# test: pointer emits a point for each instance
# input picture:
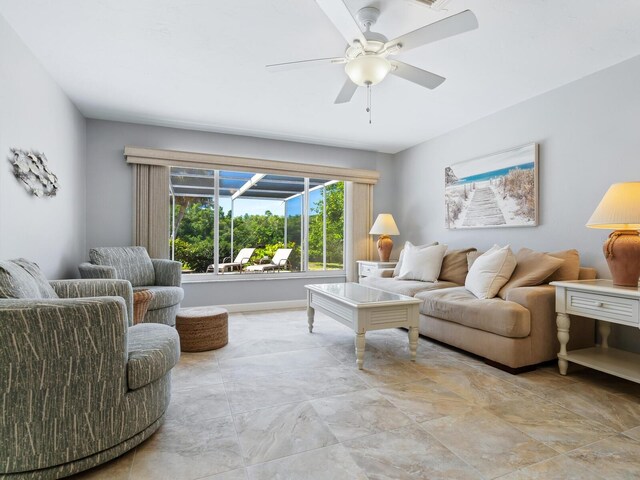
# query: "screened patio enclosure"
(220, 212)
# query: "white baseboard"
(262, 306)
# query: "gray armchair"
(162, 277)
(79, 385)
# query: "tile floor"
(280, 403)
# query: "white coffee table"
(362, 309)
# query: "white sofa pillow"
(490, 272)
(396, 270)
(422, 263)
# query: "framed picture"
(498, 190)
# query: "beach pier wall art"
(498, 190)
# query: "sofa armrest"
(89, 270)
(587, 273)
(541, 303)
(382, 273)
(168, 272)
(97, 288)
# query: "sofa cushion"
(569, 270)
(396, 270)
(154, 349)
(532, 269)
(494, 315)
(131, 263)
(490, 272)
(15, 282)
(422, 264)
(455, 266)
(163, 296)
(403, 287)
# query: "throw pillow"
(131, 263)
(15, 282)
(396, 270)
(454, 266)
(422, 263)
(532, 268)
(569, 270)
(45, 290)
(490, 272)
(471, 257)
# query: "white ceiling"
(200, 63)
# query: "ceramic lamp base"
(385, 245)
(622, 251)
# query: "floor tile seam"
(235, 429)
(592, 443)
(308, 399)
(277, 373)
(407, 413)
(297, 349)
(411, 420)
(499, 404)
(586, 467)
(421, 426)
(546, 443)
(593, 406)
(337, 442)
(307, 451)
(274, 353)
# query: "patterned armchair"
(79, 384)
(162, 277)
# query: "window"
(216, 214)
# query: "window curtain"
(152, 209)
(358, 218)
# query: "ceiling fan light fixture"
(367, 69)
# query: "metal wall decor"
(31, 168)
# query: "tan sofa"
(513, 334)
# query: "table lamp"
(384, 226)
(619, 210)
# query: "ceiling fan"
(367, 58)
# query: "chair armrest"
(64, 366)
(168, 272)
(226, 260)
(59, 345)
(97, 288)
(382, 273)
(89, 270)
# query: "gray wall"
(36, 114)
(109, 183)
(588, 136)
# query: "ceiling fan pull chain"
(369, 101)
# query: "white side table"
(368, 267)
(607, 303)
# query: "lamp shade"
(367, 69)
(384, 225)
(619, 209)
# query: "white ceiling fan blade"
(416, 75)
(347, 91)
(342, 19)
(280, 67)
(447, 27)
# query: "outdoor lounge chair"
(279, 262)
(241, 260)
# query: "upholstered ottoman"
(202, 328)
